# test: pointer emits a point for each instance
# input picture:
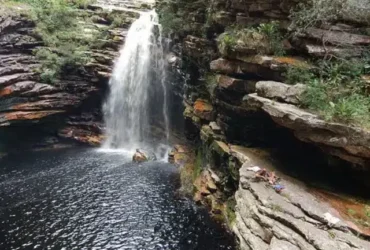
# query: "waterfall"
(138, 93)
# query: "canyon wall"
(37, 114)
(244, 108)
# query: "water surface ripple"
(83, 199)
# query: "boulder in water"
(141, 156)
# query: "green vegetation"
(175, 18)
(227, 42)
(275, 37)
(57, 24)
(198, 165)
(230, 210)
(360, 217)
(67, 32)
(367, 211)
(116, 19)
(351, 211)
(332, 234)
(263, 39)
(191, 171)
(296, 75)
(317, 12)
(336, 89)
(211, 82)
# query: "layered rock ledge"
(292, 219)
(345, 141)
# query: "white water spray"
(138, 93)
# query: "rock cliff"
(40, 114)
(240, 96)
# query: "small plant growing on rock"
(230, 210)
(275, 37)
(296, 75)
(211, 82)
(226, 42)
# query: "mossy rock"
(221, 148)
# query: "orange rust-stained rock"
(82, 135)
(5, 91)
(292, 61)
(203, 109)
(354, 213)
(25, 115)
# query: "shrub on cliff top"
(317, 12)
(177, 16)
(263, 39)
(337, 90)
(66, 44)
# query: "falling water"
(138, 93)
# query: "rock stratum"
(237, 103)
(69, 110)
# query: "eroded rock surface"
(292, 219)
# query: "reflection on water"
(84, 199)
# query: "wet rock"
(207, 134)
(203, 109)
(24, 117)
(234, 84)
(180, 155)
(221, 148)
(82, 134)
(140, 157)
(280, 91)
(215, 128)
(214, 176)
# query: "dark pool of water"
(84, 199)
